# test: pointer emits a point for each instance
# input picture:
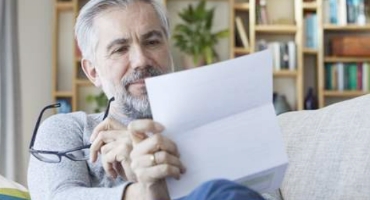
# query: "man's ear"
(90, 71)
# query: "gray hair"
(84, 30)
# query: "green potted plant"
(194, 36)
(100, 101)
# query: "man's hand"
(153, 158)
(113, 141)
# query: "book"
(326, 11)
(292, 51)
(263, 11)
(333, 4)
(359, 76)
(365, 76)
(242, 32)
(342, 12)
(340, 67)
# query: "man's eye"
(120, 50)
(153, 42)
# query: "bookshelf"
(334, 84)
(281, 27)
(312, 34)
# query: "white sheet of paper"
(223, 121)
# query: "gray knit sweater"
(69, 179)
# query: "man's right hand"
(154, 157)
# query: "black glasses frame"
(59, 154)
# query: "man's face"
(132, 45)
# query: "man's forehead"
(124, 20)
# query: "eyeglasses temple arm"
(39, 120)
(107, 110)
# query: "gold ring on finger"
(152, 158)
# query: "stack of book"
(284, 54)
(343, 12)
(347, 76)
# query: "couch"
(328, 151)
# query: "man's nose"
(138, 57)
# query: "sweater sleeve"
(67, 179)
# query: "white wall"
(35, 47)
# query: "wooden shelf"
(346, 59)
(285, 73)
(350, 27)
(241, 6)
(274, 29)
(309, 6)
(64, 6)
(83, 82)
(344, 94)
(63, 94)
(240, 50)
(310, 51)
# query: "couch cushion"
(329, 152)
(10, 190)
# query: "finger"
(157, 172)
(109, 159)
(140, 127)
(158, 158)
(153, 144)
(107, 124)
(103, 138)
(108, 168)
(121, 148)
(130, 175)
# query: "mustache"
(143, 73)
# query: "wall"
(35, 31)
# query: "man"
(122, 42)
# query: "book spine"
(340, 67)
(328, 76)
(333, 12)
(315, 32)
(352, 76)
(342, 12)
(359, 76)
(292, 55)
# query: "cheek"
(163, 60)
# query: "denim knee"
(221, 189)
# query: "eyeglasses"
(75, 154)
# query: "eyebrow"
(120, 41)
(116, 42)
(153, 33)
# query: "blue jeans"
(222, 190)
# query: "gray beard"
(137, 107)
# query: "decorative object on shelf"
(310, 101)
(280, 103)
(65, 106)
(194, 37)
(100, 100)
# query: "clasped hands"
(138, 152)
